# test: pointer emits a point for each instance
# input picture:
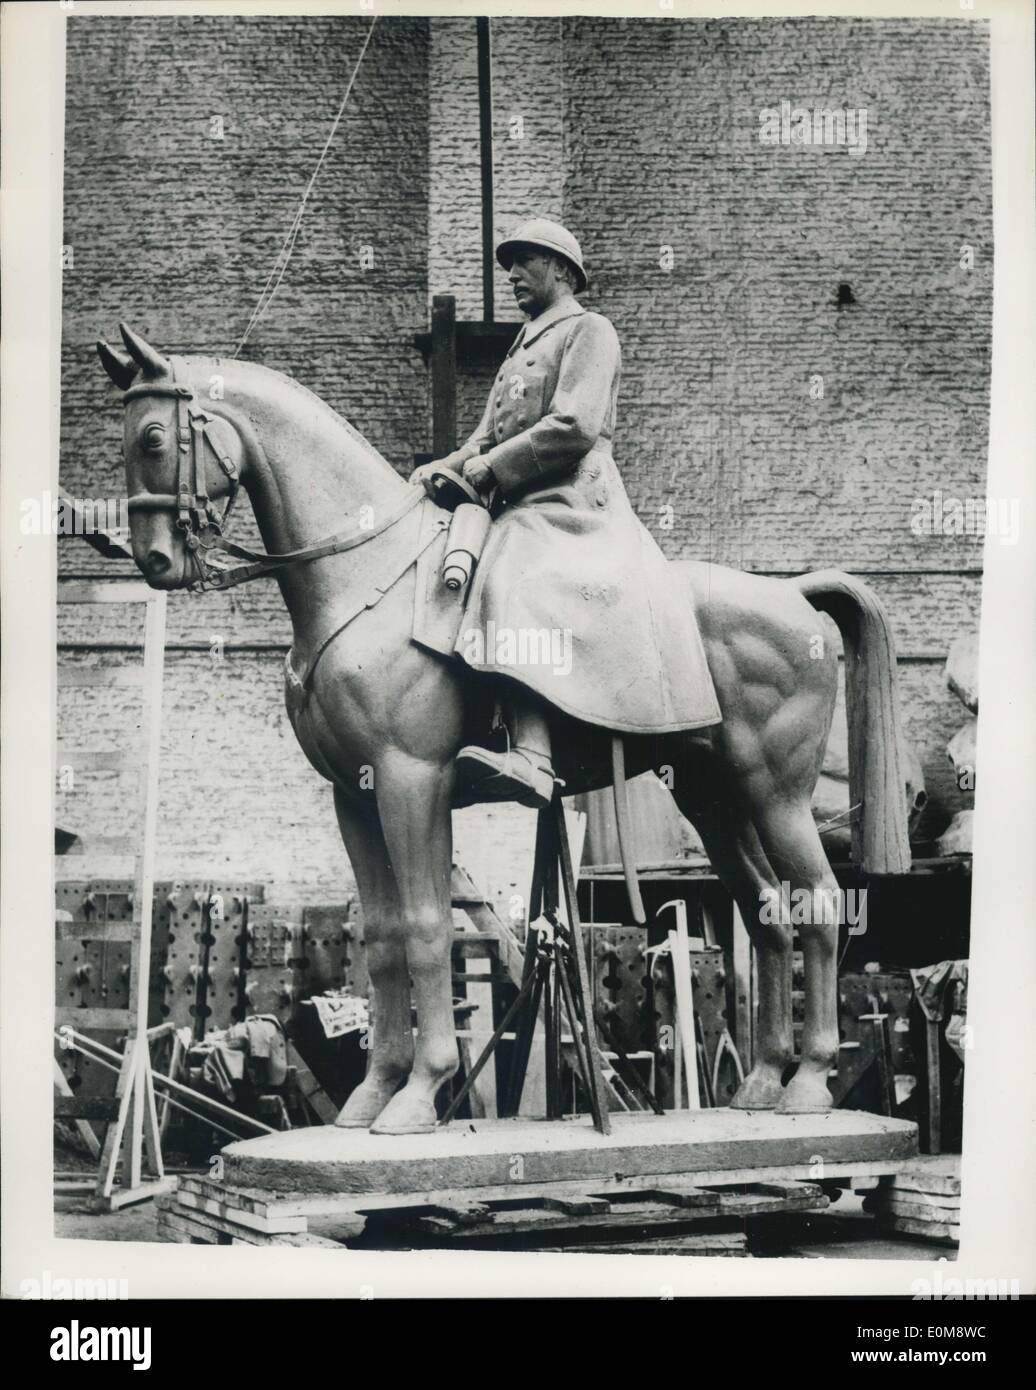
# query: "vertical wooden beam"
(143, 1113)
(137, 1123)
(485, 140)
(86, 1133)
(744, 1013)
(444, 375)
(934, 1086)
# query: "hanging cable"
(284, 255)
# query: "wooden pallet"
(673, 1215)
(923, 1200)
(198, 1228)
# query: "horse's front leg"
(391, 1037)
(414, 806)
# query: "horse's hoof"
(363, 1107)
(810, 1098)
(802, 1108)
(758, 1091)
(406, 1114)
(753, 1103)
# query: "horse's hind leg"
(739, 859)
(792, 844)
(392, 1043)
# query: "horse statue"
(382, 718)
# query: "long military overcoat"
(567, 555)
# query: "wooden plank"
(175, 1229)
(136, 1129)
(316, 1204)
(509, 1223)
(485, 146)
(476, 1104)
(120, 591)
(144, 1192)
(64, 1090)
(641, 1214)
(123, 1091)
(142, 1129)
(782, 1189)
(462, 1213)
(933, 1068)
(687, 1196)
(741, 1204)
(93, 1020)
(728, 1244)
(487, 923)
(444, 374)
(226, 1211)
(895, 1193)
(578, 1205)
(310, 1088)
(85, 1108)
(94, 931)
(209, 1228)
(475, 945)
(930, 1184)
(927, 1230)
(743, 1010)
(920, 1210)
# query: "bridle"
(196, 514)
(201, 522)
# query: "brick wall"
(176, 232)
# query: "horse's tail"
(877, 772)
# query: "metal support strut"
(555, 974)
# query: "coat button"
(499, 400)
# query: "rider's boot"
(524, 773)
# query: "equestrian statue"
(561, 648)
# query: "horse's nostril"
(157, 562)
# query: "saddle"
(444, 572)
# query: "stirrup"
(510, 776)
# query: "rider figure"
(566, 551)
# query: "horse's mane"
(310, 397)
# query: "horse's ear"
(120, 366)
(152, 362)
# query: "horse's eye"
(154, 437)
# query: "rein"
(197, 515)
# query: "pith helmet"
(551, 236)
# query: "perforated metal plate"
(273, 946)
(333, 955)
